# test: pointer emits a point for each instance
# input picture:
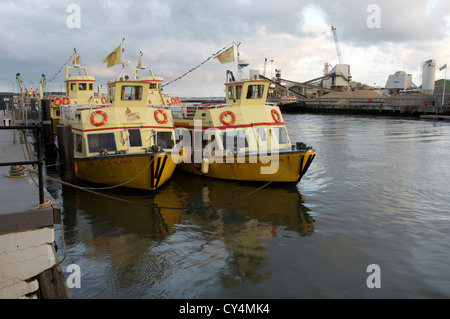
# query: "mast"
(238, 71)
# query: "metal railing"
(39, 161)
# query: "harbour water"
(377, 193)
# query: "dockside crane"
(338, 49)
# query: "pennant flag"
(138, 66)
(113, 58)
(443, 67)
(226, 56)
(76, 60)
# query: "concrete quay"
(29, 267)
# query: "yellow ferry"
(243, 139)
(129, 143)
(79, 90)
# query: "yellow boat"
(129, 143)
(243, 139)
(79, 90)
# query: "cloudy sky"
(377, 38)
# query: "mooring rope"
(92, 190)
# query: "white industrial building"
(338, 78)
(399, 81)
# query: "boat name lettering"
(111, 162)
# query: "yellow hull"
(286, 167)
(143, 171)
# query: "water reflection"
(188, 226)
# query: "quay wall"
(396, 106)
(29, 267)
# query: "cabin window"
(234, 138)
(152, 86)
(164, 139)
(82, 86)
(73, 86)
(230, 93)
(111, 92)
(135, 138)
(98, 142)
(91, 87)
(238, 92)
(131, 93)
(255, 91)
(78, 143)
(281, 134)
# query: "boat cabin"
(129, 125)
(247, 92)
(244, 123)
(79, 85)
(143, 90)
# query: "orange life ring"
(276, 116)
(233, 118)
(57, 101)
(163, 121)
(102, 113)
(104, 100)
(65, 100)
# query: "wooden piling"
(47, 125)
(52, 284)
(65, 150)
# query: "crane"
(338, 49)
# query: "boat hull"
(287, 167)
(142, 171)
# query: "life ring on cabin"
(233, 118)
(99, 112)
(104, 100)
(163, 121)
(173, 100)
(57, 101)
(276, 116)
(65, 100)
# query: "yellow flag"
(226, 56)
(113, 58)
(138, 66)
(76, 60)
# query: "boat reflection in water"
(191, 228)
